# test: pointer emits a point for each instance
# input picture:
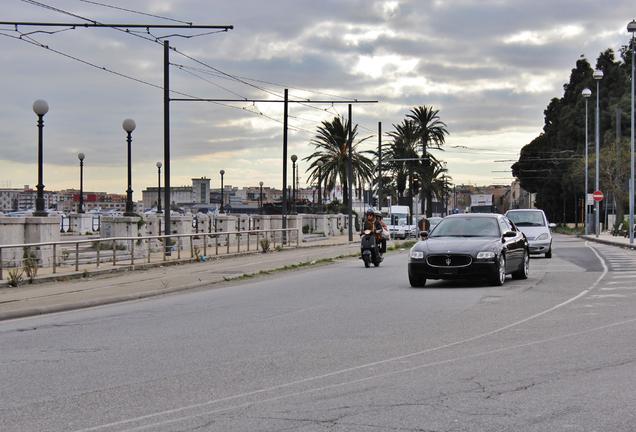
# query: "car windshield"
(467, 227)
(527, 218)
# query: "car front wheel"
(524, 269)
(416, 282)
(499, 277)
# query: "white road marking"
(354, 368)
(381, 375)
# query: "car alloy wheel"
(500, 276)
(524, 270)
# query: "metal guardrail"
(165, 245)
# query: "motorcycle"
(370, 249)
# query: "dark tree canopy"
(548, 164)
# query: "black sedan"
(470, 246)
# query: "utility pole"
(166, 80)
(350, 176)
(284, 203)
(379, 165)
(286, 101)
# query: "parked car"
(534, 224)
(470, 246)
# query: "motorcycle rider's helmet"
(370, 211)
(377, 213)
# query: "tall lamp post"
(129, 126)
(40, 107)
(598, 76)
(260, 196)
(80, 209)
(631, 27)
(319, 164)
(158, 165)
(222, 172)
(294, 158)
(586, 95)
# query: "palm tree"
(403, 146)
(431, 133)
(331, 143)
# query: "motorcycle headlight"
(417, 254)
(543, 236)
(486, 255)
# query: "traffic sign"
(598, 196)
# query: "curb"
(145, 266)
(607, 242)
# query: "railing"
(143, 249)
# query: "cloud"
(490, 66)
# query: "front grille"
(449, 260)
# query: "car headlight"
(417, 254)
(486, 255)
(543, 236)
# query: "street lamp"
(586, 95)
(631, 28)
(40, 107)
(158, 165)
(222, 172)
(294, 158)
(260, 196)
(129, 126)
(319, 164)
(80, 156)
(598, 76)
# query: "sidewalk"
(609, 239)
(100, 289)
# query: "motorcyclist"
(385, 229)
(373, 224)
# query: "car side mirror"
(423, 235)
(552, 225)
(510, 234)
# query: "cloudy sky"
(489, 66)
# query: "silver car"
(534, 224)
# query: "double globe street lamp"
(40, 107)
(129, 126)
(598, 76)
(586, 95)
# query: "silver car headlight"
(417, 254)
(485, 255)
(543, 236)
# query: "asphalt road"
(341, 348)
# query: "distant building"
(97, 201)
(181, 196)
(9, 199)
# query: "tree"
(551, 164)
(431, 132)
(331, 143)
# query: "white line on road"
(382, 375)
(359, 367)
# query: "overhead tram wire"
(34, 42)
(135, 11)
(157, 39)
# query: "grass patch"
(569, 231)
